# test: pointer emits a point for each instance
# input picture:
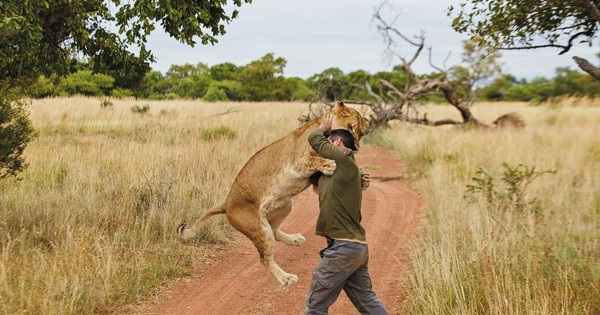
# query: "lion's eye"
(350, 128)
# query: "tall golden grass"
(90, 226)
(525, 238)
(92, 222)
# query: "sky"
(314, 35)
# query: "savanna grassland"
(511, 223)
(92, 222)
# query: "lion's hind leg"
(275, 217)
(258, 230)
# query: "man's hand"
(365, 179)
(326, 122)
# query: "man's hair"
(345, 136)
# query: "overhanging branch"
(587, 67)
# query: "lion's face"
(351, 120)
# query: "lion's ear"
(339, 106)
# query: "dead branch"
(229, 111)
(391, 102)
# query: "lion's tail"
(187, 233)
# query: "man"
(344, 261)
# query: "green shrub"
(122, 93)
(15, 132)
(217, 133)
(43, 87)
(106, 103)
(215, 94)
(86, 82)
(511, 193)
(137, 109)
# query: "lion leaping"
(261, 195)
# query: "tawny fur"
(509, 120)
(261, 195)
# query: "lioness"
(261, 195)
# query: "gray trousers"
(343, 266)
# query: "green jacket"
(340, 195)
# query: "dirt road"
(234, 282)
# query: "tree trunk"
(587, 67)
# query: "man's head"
(342, 136)
(350, 119)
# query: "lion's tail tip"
(180, 229)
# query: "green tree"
(189, 81)
(477, 69)
(263, 78)
(50, 36)
(572, 82)
(43, 87)
(154, 86)
(299, 90)
(355, 80)
(86, 83)
(214, 94)
(497, 89)
(233, 89)
(225, 71)
(330, 84)
(44, 37)
(544, 89)
(517, 24)
(520, 92)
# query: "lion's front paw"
(328, 167)
(288, 279)
(297, 239)
(289, 239)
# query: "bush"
(215, 94)
(218, 133)
(15, 132)
(86, 83)
(511, 193)
(122, 93)
(230, 88)
(43, 87)
(137, 109)
(106, 103)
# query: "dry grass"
(91, 224)
(530, 247)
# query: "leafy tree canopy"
(517, 24)
(45, 36)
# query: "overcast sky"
(314, 35)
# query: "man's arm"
(319, 142)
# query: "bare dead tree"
(389, 102)
(399, 103)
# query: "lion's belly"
(283, 190)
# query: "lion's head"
(350, 119)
